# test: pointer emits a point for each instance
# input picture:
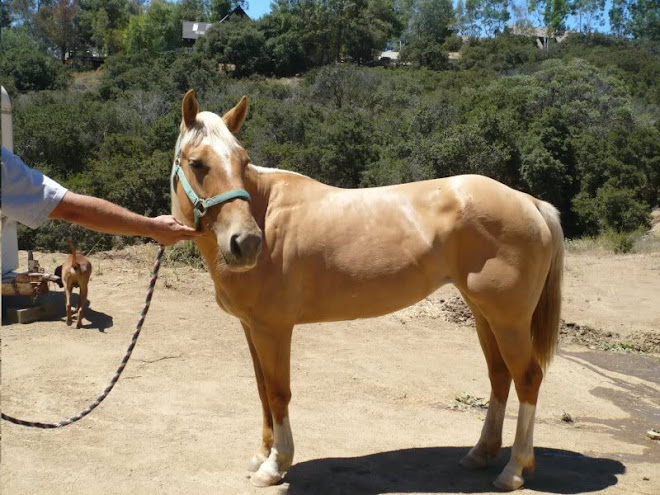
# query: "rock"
(653, 434)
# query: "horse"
(284, 249)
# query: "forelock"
(209, 125)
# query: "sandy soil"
(374, 407)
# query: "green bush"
(622, 242)
(25, 66)
(236, 42)
(424, 52)
(502, 53)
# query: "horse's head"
(208, 188)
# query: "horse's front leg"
(267, 429)
(273, 350)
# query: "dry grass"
(86, 81)
(613, 242)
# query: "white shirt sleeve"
(28, 196)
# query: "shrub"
(25, 66)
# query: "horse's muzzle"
(245, 248)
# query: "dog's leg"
(81, 304)
(67, 293)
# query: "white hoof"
(268, 475)
(256, 462)
(508, 482)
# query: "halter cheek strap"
(200, 206)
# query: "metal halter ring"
(201, 209)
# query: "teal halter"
(200, 206)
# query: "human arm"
(103, 216)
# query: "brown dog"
(74, 272)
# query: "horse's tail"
(72, 249)
(545, 320)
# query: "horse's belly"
(343, 296)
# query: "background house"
(193, 30)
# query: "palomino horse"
(284, 249)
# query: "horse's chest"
(226, 303)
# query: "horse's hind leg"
(267, 429)
(273, 348)
(490, 441)
(515, 344)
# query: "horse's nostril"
(255, 244)
(245, 246)
(234, 246)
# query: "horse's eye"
(196, 164)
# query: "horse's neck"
(260, 188)
(263, 185)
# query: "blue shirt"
(28, 196)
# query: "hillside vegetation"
(576, 124)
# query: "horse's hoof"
(473, 461)
(508, 483)
(256, 462)
(266, 476)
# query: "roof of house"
(391, 54)
(193, 30)
(237, 11)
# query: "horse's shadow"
(91, 319)
(436, 470)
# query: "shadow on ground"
(91, 319)
(436, 470)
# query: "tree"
(5, 16)
(220, 8)
(588, 12)
(21, 12)
(102, 24)
(619, 16)
(430, 25)
(237, 42)
(471, 18)
(193, 10)
(369, 24)
(555, 15)
(494, 15)
(24, 66)
(644, 20)
(403, 10)
(536, 10)
(157, 30)
(285, 37)
(57, 23)
(433, 19)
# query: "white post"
(8, 237)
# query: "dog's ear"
(58, 273)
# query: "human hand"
(167, 230)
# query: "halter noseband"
(200, 206)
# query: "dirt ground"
(386, 405)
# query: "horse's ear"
(189, 108)
(234, 118)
